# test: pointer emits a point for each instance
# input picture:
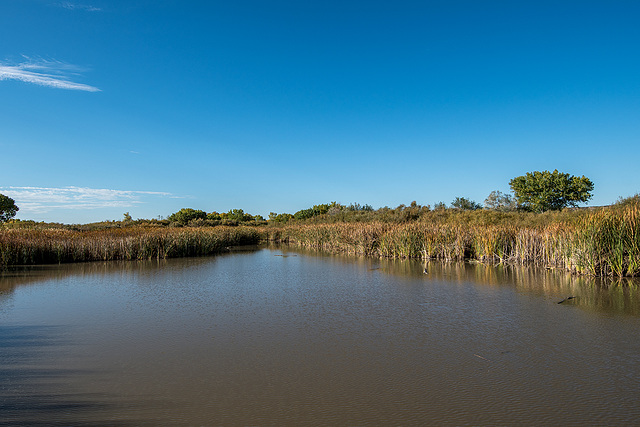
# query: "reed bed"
(24, 247)
(607, 243)
(604, 242)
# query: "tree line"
(533, 192)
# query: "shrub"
(183, 216)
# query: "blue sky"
(147, 107)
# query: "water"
(270, 337)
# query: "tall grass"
(607, 243)
(23, 247)
(602, 242)
(599, 242)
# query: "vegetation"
(528, 229)
(543, 191)
(499, 201)
(198, 218)
(20, 246)
(603, 242)
(8, 208)
(465, 204)
(184, 216)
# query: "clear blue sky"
(147, 107)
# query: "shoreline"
(601, 243)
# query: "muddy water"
(270, 337)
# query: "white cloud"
(73, 6)
(38, 200)
(44, 73)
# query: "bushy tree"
(214, 216)
(235, 215)
(316, 210)
(500, 201)
(322, 209)
(357, 207)
(283, 217)
(183, 216)
(303, 214)
(544, 191)
(465, 204)
(628, 201)
(8, 208)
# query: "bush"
(499, 201)
(185, 215)
(465, 204)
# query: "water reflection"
(610, 295)
(34, 388)
(620, 296)
(280, 337)
(14, 276)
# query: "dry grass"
(23, 247)
(602, 242)
(599, 242)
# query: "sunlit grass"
(601, 242)
(24, 246)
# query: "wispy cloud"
(54, 74)
(74, 6)
(38, 200)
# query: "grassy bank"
(44, 246)
(600, 242)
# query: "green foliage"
(303, 214)
(8, 208)
(236, 215)
(240, 216)
(628, 201)
(214, 216)
(322, 209)
(318, 210)
(465, 204)
(543, 191)
(281, 218)
(499, 201)
(356, 207)
(183, 216)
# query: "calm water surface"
(270, 337)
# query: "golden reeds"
(22, 247)
(604, 242)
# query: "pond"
(269, 336)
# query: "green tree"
(183, 216)
(8, 208)
(357, 207)
(465, 204)
(498, 201)
(214, 216)
(544, 191)
(283, 217)
(303, 214)
(236, 215)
